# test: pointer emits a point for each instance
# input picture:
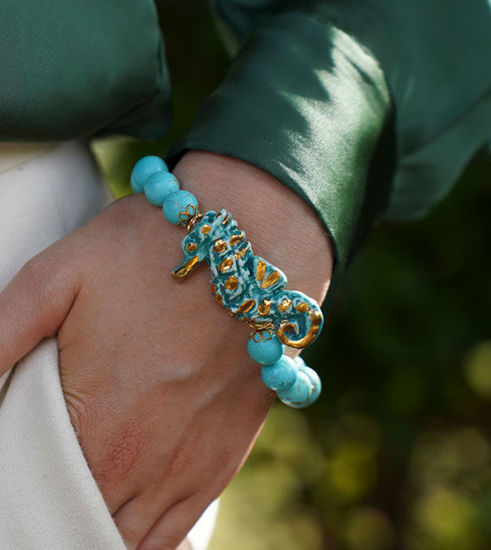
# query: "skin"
(163, 397)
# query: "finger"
(171, 528)
(34, 304)
(185, 545)
(135, 518)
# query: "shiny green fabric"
(307, 104)
(436, 55)
(71, 68)
(320, 125)
(368, 109)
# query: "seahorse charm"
(248, 286)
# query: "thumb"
(34, 304)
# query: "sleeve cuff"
(306, 103)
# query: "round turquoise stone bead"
(143, 169)
(281, 375)
(315, 381)
(299, 362)
(177, 202)
(264, 351)
(298, 395)
(313, 377)
(159, 185)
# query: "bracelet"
(247, 286)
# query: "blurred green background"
(397, 455)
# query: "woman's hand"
(161, 392)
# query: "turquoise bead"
(143, 169)
(313, 377)
(159, 185)
(265, 351)
(298, 395)
(316, 384)
(299, 362)
(280, 376)
(177, 202)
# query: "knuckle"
(40, 277)
(33, 272)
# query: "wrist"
(245, 281)
(281, 226)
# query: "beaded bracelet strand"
(247, 286)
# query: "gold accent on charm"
(302, 307)
(260, 270)
(193, 220)
(189, 217)
(260, 331)
(225, 265)
(315, 323)
(219, 299)
(284, 305)
(213, 288)
(264, 307)
(246, 306)
(235, 239)
(191, 247)
(231, 283)
(205, 229)
(264, 334)
(186, 269)
(242, 252)
(270, 280)
(226, 219)
(219, 246)
(229, 311)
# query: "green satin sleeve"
(436, 55)
(436, 58)
(305, 102)
(74, 68)
(368, 109)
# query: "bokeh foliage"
(397, 455)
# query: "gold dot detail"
(226, 265)
(231, 283)
(219, 246)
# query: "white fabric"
(48, 497)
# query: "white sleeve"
(48, 496)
